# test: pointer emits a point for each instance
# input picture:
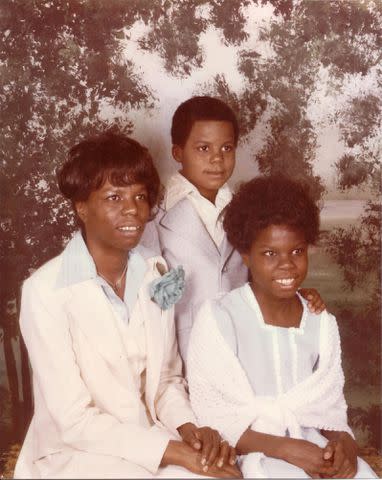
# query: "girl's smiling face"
(278, 262)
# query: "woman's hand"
(180, 453)
(307, 456)
(208, 441)
(315, 302)
(342, 451)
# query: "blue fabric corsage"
(169, 288)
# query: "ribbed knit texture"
(222, 397)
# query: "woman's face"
(114, 217)
(278, 261)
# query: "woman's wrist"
(285, 449)
(173, 454)
(334, 435)
(279, 448)
(271, 445)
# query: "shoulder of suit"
(46, 275)
(145, 252)
(152, 258)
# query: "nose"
(129, 207)
(217, 156)
(286, 262)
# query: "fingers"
(233, 471)
(232, 456)
(329, 451)
(227, 471)
(223, 454)
(213, 449)
(191, 439)
(326, 470)
(187, 432)
(315, 302)
(340, 461)
(339, 457)
(350, 472)
(210, 440)
(347, 470)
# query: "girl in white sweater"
(262, 369)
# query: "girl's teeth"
(285, 281)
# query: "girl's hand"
(180, 453)
(209, 443)
(343, 454)
(315, 302)
(307, 456)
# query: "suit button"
(225, 269)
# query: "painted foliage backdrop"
(303, 76)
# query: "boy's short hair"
(109, 156)
(200, 108)
(270, 200)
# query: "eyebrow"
(264, 245)
(231, 140)
(141, 186)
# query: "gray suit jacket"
(181, 238)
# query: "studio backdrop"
(304, 78)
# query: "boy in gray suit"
(188, 227)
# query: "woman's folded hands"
(202, 451)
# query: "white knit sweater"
(222, 397)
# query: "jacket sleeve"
(172, 400)
(80, 424)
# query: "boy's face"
(208, 156)
(278, 262)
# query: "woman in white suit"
(109, 398)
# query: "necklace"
(117, 285)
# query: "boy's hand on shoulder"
(342, 451)
(206, 440)
(315, 302)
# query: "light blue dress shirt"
(78, 266)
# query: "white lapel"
(91, 311)
(154, 319)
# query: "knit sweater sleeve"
(319, 401)
(215, 376)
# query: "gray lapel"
(191, 230)
(226, 251)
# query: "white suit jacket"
(181, 238)
(83, 397)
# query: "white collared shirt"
(178, 187)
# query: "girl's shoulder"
(232, 314)
(230, 300)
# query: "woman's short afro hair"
(270, 200)
(109, 156)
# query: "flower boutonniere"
(169, 288)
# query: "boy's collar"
(178, 187)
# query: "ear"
(245, 258)
(81, 210)
(177, 153)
